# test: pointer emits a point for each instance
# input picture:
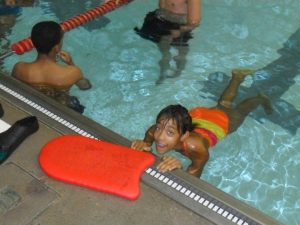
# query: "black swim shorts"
(154, 28)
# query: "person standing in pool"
(45, 73)
(193, 132)
(171, 25)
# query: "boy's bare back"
(47, 72)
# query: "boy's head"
(45, 35)
(173, 125)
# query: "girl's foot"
(241, 73)
(267, 104)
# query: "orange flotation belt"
(212, 124)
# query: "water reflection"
(274, 80)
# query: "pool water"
(259, 163)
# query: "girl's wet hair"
(179, 114)
(45, 35)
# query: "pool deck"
(29, 197)
(38, 199)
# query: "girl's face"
(166, 135)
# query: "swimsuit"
(60, 95)
(212, 124)
(185, 149)
(163, 14)
(159, 23)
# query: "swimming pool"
(261, 157)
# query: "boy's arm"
(193, 16)
(194, 12)
(81, 82)
(76, 77)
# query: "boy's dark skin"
(167, 136)
(46, 70)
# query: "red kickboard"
(95, 164)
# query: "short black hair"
(178, 113)
(45, 35)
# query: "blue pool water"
(260, 163)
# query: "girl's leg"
(238, 114)
(248, 105)
(230, 91)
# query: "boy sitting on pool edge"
(193, 132)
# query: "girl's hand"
(169, 163)
(140, 145)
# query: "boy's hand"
(175, 33)
(186, 28)
(83, 84)
(169, 163)
(140, 145)
(65, 57)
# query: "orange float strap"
(26, 45)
